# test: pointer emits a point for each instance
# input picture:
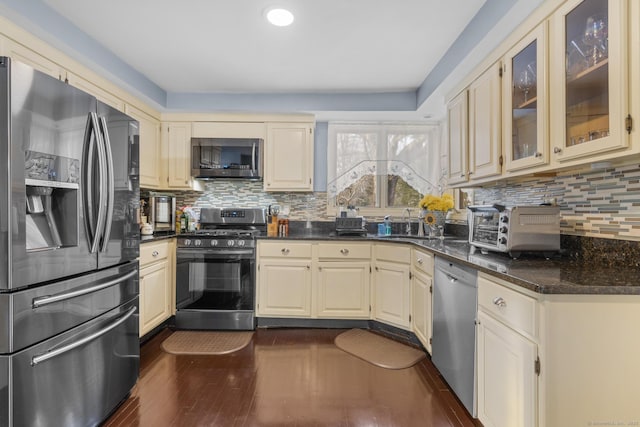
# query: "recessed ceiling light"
(280, 17)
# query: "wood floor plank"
(285, 377)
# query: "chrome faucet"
(408, 225)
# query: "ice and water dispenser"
(52, 185)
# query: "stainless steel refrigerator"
(69, 243)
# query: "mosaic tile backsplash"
(602, 203)
(227, 193)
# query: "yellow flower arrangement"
(435, 203)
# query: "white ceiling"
(226, 46)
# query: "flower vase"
(434, 220)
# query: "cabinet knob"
(344, 251)
(557, 150)
(308, 267)
(155, 253)
(377, 268)
(500, 302)
(285, 251)
(419, 260)
(463, 175)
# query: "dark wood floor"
(285, 377)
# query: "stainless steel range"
(216, 270)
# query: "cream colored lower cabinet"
(507, 369)
(156, 284)
(422, 296)
(392, 285)
(421, 301)
(507, 382)
(284, 279)
(342, 289)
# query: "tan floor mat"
(206, 342)
(378, 350)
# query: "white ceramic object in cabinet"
(284, 279)
(525, 102)
(156, 290)
(457, 124)
(289, 157)
(176, 138)
(485, 116)
(392, 292)
(151, 170)
(589, 79)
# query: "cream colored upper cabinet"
(589, 75)
(176, 141)
(485, 116)
(457, 124)
(525, 102)
(95, 90)
(151, 171)
(34, 59)
(289, 157)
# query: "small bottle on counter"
(283, 227)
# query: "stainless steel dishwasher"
(455, 295)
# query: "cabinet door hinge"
(430, 340)
(628, 123)
(410, 275)
(370, 269)
(501, 160)
(309, 180)
(409, 318)
(369, 309)
(258, 267)
(537, 366)
(501, 70)
(430, 289)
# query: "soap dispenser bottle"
(387, 225)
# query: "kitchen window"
(380, 166)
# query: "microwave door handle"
(253, 157)
(109, 184)
(88, 156)
(102, 183)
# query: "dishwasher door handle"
(451, 278)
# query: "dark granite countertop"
(157, 236)
(559, 275)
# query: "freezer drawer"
(35, 314)
(76, 378)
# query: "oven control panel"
(210, 243)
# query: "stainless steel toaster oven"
(514, 229)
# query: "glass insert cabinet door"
(525, 98)
(592, 34)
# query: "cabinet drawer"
(513, 308)
(153, 252)
(393, 253)
(284, 249)
(344, 250)
(422, 261)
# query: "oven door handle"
(220, 252)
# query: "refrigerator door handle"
(50, 299)
(67, 348)
(102, 183)
(88, 155)
(106, 234)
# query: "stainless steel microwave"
(227, 158)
